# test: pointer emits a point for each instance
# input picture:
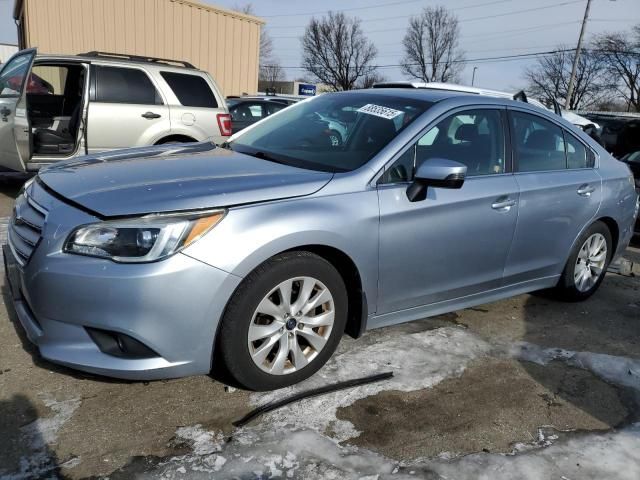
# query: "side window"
(125, 85)
(402, 169)
(246, 112)
(256, 111)
(273, 107)
(47, 80)
(473, 137)
(191, 90)
(13, 74)
(538, 143)
(577, 154)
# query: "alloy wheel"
(590, 263)
(291, 325)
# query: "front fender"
(250, 235)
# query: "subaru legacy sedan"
(257, 256)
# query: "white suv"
(55, 107)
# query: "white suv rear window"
(191, 90)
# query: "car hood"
(174, 178)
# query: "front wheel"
(283, 322)
(587, 264)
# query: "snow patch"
(302, 454)
(201, 441)
(419, 360)
(622, 371)
(614, 455)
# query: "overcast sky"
(488, 29)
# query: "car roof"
(415, 93)
(454, 87)
(98, 57)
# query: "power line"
(366, 20)
(505, 14)
(483, 36)
(369, 7)
(470, 60)
(500, 58)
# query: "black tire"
(231, 343)
(566, 290)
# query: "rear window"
(125, 85)
(191, 90)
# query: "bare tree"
(336, 51)
(266, 43)
(431, 52)
(369, 80)
(271, 74)
(621, 54)
(549, 78)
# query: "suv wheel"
(587, 264)
(283, 322)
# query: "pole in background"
(473, 75)
(576, 57)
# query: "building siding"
(224, 43)
(7, 51)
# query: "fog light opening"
(119, 344)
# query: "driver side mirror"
(436, 172)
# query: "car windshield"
(335, 132)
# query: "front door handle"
(586, 190)
(150, 115)
(5, 112)
(503, 204)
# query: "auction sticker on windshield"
(380, 111)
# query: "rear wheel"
(283, 322)
(587, 264)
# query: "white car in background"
(571, 117)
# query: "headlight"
(144, 239)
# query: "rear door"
(560, 193)
(15, 131)
(196, 108)
(126, 109)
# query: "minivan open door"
(15, 130)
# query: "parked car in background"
(165, 261)
(633, 161)
(571, 117)
(246, 111)
(620, 131)
(55, 107)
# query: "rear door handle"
(586, 190)
(150, 115)
(503, 204)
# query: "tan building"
(223, 42)
(6, 51)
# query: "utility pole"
(576, 57)
(473, 75)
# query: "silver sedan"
(257, 256)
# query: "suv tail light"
(224, 123)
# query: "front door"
(455, 242)
(15, 131)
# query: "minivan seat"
(52, 141)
